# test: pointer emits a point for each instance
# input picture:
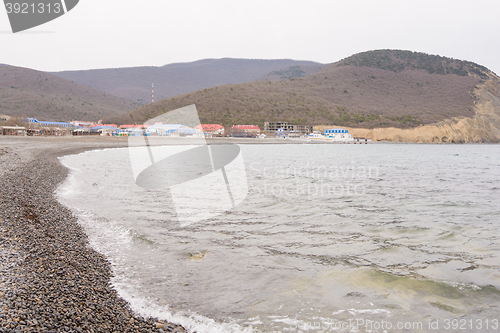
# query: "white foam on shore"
(99, 236)
(191, 321)
(100, 233)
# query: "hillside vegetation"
(398, 61)
(176, 79)
(292, 72)
(386, 88)
(27, 92)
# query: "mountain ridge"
(134, 83)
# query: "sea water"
(344, 238)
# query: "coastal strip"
(51, 280)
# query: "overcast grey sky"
(124, 33)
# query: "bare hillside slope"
(27, 92)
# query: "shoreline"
(51, 280)
(86, 143)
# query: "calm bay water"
(380, 237)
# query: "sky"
(124, 33)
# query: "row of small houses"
(207, 130)
(47, 128)
(35, 127)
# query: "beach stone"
(51, 280)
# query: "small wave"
(191, 321)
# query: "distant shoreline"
(84, 143)
(97, 142)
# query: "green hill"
(385, 88)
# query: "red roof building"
(211, 129)
(245, 131)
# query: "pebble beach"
(51, 280)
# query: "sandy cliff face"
(483, 127)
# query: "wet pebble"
(50, 278)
